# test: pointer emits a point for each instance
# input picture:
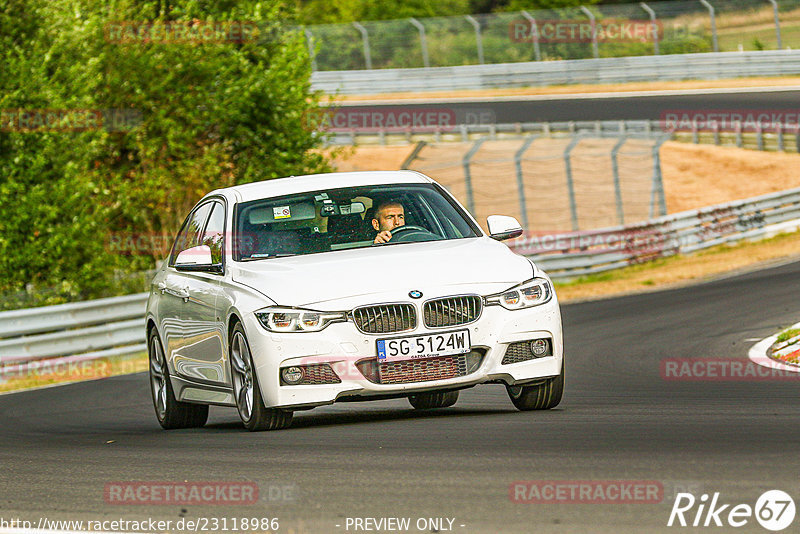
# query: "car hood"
(348, 278)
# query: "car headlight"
(294, 320)
(531, 293)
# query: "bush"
(209, 116)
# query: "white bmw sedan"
(299, 292)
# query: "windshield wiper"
(267, 257)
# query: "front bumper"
(342, 345)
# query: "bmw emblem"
(414, 294)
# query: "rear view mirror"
(503, 227)
(329, 208)
(355, 207)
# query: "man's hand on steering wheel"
(386, 235)
(383, 237)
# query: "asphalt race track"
(619, 421)
(592, 108)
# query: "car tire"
(246, 391)
(433, 399)
(540, 396)
(171, 413)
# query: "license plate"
(428, 346)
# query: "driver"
(388, 216)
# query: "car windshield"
(337, 219)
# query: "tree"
(197, 113)
(334, 11)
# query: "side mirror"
(503, 227)
(197, 259)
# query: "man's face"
(389, 217)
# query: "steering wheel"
(408, 230)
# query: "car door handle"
(181, 292)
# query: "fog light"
(539, 347)
(292, 375)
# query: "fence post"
(760, 135)
(617, 186)
(658, 182)
(423, 41)
(414, 154)
(523, 209)
(739, 141)
(594, 30)
(573, 208)
(365, 40)
(467, 176)
(777, 23)
(653, 26)
(310, 41)
(715, 128)
(781, 146)
(712, 15)
(797, 138)
(477, 26)
(537, 53)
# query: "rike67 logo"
(774, 510)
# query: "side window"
(189, 236)
(215, 232)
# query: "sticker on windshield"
(282, 212)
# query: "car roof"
(315, 182)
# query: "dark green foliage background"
(213, 115)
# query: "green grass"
(787, 334)
(790, 36)
(624, 272)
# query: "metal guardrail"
(470, 132)
(67, 316)
(575, 254)
(82, 330)
(111, 327)
(776, 137)
(705, 66)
